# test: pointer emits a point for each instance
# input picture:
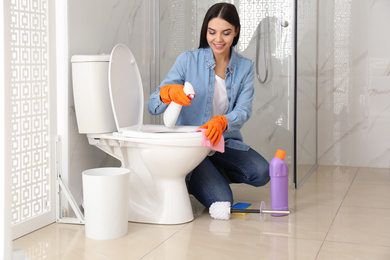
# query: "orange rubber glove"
(215, 128)
(175, 93)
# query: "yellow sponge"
(241, 205)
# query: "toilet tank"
(91, 94)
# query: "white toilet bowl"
(158, 158)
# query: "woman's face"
(220, 36)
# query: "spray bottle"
(172, 112)
(278, 171)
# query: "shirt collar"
(210, 62)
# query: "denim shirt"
(197, 67)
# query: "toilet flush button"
(132, 61)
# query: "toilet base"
(170, 203)
(158, 167)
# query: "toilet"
(109, 102)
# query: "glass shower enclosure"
(268, 36)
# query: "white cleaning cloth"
(220, 210)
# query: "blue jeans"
(209, 181)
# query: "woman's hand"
(175, 93)
(215, 128)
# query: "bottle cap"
(191, 96)
(280, 154)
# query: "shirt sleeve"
(242, 108)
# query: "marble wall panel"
(354, 83)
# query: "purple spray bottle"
(278, 171)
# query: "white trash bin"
(106, 195)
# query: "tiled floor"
(339, 213)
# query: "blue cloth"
(197, 67)
(209, 181)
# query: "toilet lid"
(126, 91)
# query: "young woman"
(223, 83)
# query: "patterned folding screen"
(30, 110)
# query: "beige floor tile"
(197, 207)
(339, 213)
(361, 226)
(373, 176)
(242, 224)
(235, 186)
(336, 250)
(326, 186)
(304, 169)
(368, 195)
(333, 174)
(200, 244)
(311, 221)
(308, 222)
(325, 194)
(247, 193)
(62, 241)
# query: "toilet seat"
(160, 132)
(150, 139)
